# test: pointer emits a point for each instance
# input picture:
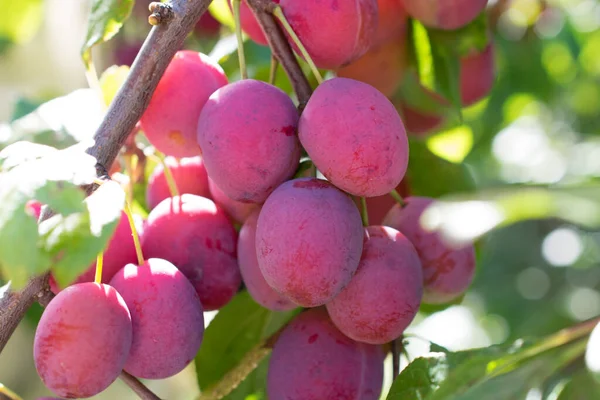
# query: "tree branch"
(163, 41)
(281, 49)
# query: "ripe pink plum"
(255, 282)
(309, 239)
(382, 67)
(313, 360)
(447, 272)
(334, 32)
(236, 210)
(384, 295)
(188, 173)
(171, 119)
(392, 21)
(444, 14)
(420, 123)
(82, 340)
(355, 137)
(166, 313)
(247, 131)
(249, 24)
(197, 237)
(119, 252)
(477, 75)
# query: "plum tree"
(355, 137)
(188, 173)
(82, 340)
(477, 75)
(447, 271)
(171, 118)
(334, 32)
(389, 280)
(237, 210)
(197, 237)
(308, 240)
(313, 360)
(247, 131)
(444, 14)
(253, 278)
(382, 67)
(119, 252)
(157, 292)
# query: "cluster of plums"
(234, 150)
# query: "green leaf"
(21, 19)
(582, 386)
(236, 330)
(222, 13)
(105, 20)
(75, 240)
(500, 372)
(432, 176)
(111, 81)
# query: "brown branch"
(163, 41)
(281, 49)
(138, 387)
(396, 350)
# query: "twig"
(396, 344)
(124, 112)
(281, 49)
(138, 387)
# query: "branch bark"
(281, 49)
(163, 41)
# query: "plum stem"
(395, 358)
(273, 70)
(168, 176)
(364, 212)
(8, 394)
(240, 40)
(99, 262)
(278, 13)
(394, 193)
(136, 238)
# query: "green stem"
(99, 262)
(6, 392)
(394, 193)
(364, 212)
(240, 40)
(168, 175)
(273, 71)
(278, 13)
(136, 238)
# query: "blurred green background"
(535, 142)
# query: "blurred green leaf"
(21, 19)
(111, 81)
(236, 330)
(105, 20)
(222, 13)
(582, 386)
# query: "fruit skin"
(119, 252)
(447, 272)
(237, 211)
(167, 319)
(355, 137)
(247, 131)
(382, 67)
(334, 32)
(171, 119)
(392, 21)
(188, 173)
(253, 278)
(477, 75)
(313, 360)
(196, 236)
(82, 340)
(308, 241)
(384, 295)
(444, 14)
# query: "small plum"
(477, 75)
(308, 241)
(313, 360)
(188, 173)
(445, 14)
(82, 340)
(447, 271)
(197, 237)
(355, 137)
(166, 313)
